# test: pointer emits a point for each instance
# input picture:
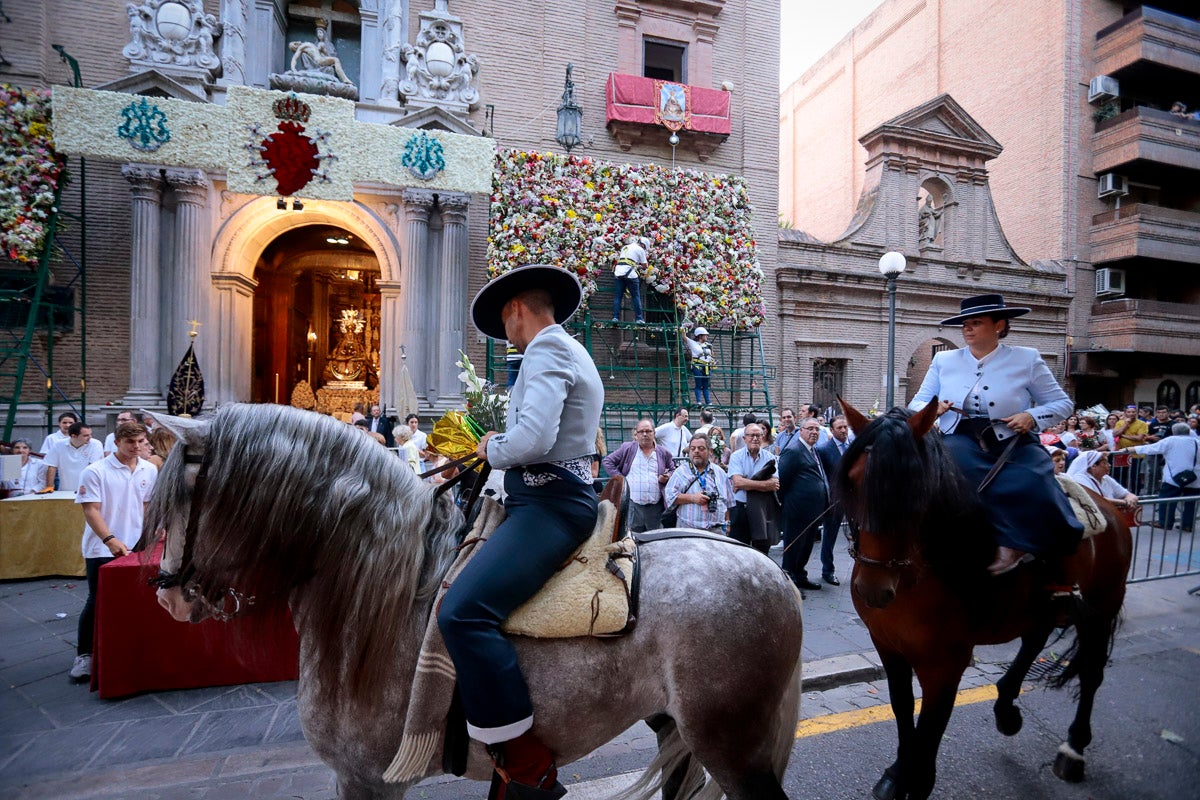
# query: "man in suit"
(382, 425)
(804, 487)
(830, 452)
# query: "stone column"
(391, 309)
(228, 379)
(453, 292)
(146, 216)
(189, 281)
(234, 18)
(421, 347)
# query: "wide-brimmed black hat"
(985, 305)
(564, 288)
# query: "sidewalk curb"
(830, 673)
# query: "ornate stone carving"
(234, 17)
(438, 71)
(316, 68)
(172, 36)
(392, 26)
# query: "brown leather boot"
(525, 770)
(1006, 559)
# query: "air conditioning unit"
(1102, 88)
(1112, 185)
(1110, 281)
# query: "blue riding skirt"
(1024, 501)
(544, 526)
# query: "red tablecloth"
(140, 648)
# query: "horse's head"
(170, 515)
(884, 485)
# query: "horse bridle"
(187, 572)
(858, 558)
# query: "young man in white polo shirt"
(113, 493)
(68, 459)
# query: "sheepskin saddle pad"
(588, 596)
(1085, 508)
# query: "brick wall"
(523, 58)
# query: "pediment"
(943, 120)
(153, 83)
(434, 118)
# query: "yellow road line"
(881, 713)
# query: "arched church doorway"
(918, 364)
(317, 319)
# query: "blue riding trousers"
(1024, 502)
(544, 526)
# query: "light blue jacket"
(1007, 381)
(554, 407)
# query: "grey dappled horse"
(299, 506)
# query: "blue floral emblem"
(423, 156)
(145, 126)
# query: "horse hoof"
(1068, 766)
(885, 789)
(1008, 720)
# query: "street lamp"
(891, 265)
(570, 115)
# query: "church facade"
(344, 294)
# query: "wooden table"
(139, 647)
(40, 535)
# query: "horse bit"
(183, 579)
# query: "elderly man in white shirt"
(68, 459)
(743, 466)
(1181, 456)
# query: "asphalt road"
(1129, 758)
(1146, 747)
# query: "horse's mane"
(913, 485)
(301, 506)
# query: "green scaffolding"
(646, 371)
(35, 308)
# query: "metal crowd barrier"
(1160, 552)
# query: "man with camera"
(700, 490)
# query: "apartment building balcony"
(1148, 37)
(1144, 139)
(640, 108)
(1145, 326)
(1141, 230)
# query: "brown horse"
(920, 584)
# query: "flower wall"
(30, 171)
(577, 213)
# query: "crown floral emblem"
(292, 108)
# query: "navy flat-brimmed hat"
(985, 305)
(565, 292)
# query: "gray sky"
(809, 29)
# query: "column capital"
(418, 198)
(142, 175)
(190, 185)
(454, 207)
(234, 281)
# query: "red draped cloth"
(632, 98)
(140, 648)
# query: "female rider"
(992, 397)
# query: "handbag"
(670, 517)
(1187, 477)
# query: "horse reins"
(465, 465)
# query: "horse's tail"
(673, 756)
(1095, 635)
